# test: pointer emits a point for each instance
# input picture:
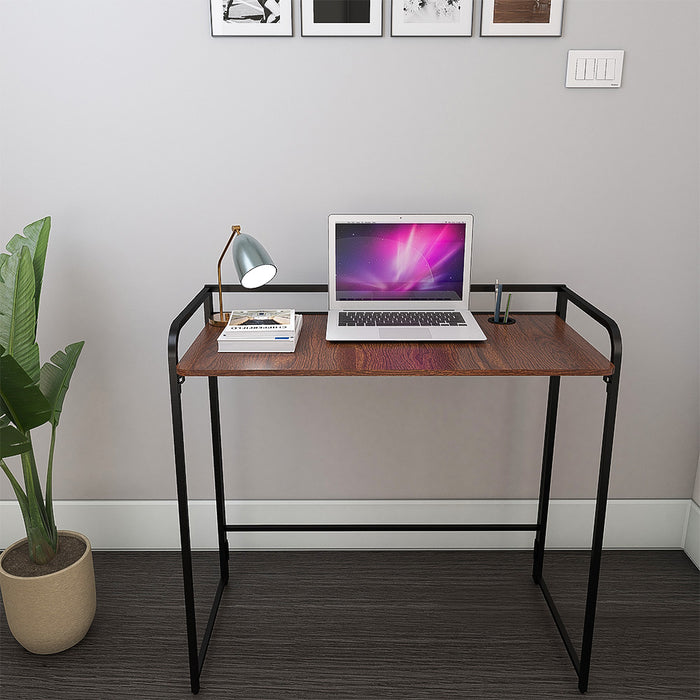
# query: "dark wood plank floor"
(366, 625)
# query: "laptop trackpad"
(405, 334)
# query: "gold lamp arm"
(221, 319)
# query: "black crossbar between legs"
(384, 527)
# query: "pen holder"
(509, 322)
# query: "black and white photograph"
(341, 17)
(251, 17)
(431, 17)
(521, 17)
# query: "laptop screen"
(399, 261)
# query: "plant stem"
(49, 480)
(43, 543)
(41, 532)
(42, 546)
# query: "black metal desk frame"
(564, 295)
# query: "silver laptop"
(400, 277)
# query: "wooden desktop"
(535, 345)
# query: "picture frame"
(251, 17)
(432, 17)
(341, 17)
(521, 17)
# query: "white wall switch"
(594, 69)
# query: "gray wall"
(145, 139)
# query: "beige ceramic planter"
(50, 613)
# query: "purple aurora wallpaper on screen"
(384, 262)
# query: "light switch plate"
(594, 69)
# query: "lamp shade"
(253, 263)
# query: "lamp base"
(219, 319)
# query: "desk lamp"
(253, 265)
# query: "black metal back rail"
(564, 295)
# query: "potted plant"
(47, 580)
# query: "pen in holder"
(496, 319)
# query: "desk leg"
(598, 527)
(218, 477)
(185, 543)
(546, 477)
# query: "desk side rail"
(203, 298)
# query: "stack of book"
(261, 330)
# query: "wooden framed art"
(251, 17)
(341, 17)
(431, 17)
(521, 17)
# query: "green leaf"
(55, 378)
(21, 397)
(18, 312)
(21, 496)
(12, 441)
(36, 237)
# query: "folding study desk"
(538, 344)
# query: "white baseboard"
(691, 544)
(153, 525)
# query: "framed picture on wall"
(251, 17)
(521, 17)
(431, 17)
(341, 17)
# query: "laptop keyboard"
(401, 318)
